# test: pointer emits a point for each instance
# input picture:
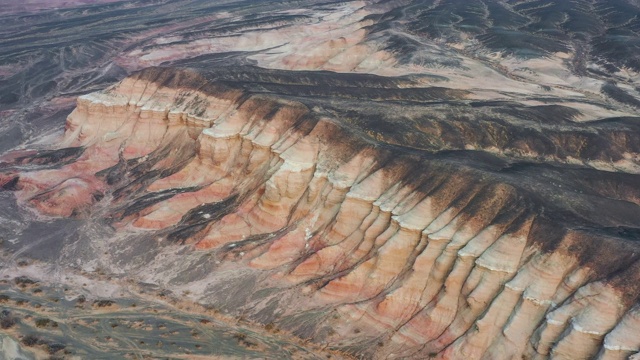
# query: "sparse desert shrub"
(7, 320)
(23, 281)
(242, 340)
(55, 347)
(6, 323)
(31, 340)
(43, 322)
(103, 303)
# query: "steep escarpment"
(379, 239)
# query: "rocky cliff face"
(375, 241)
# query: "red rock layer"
(423, 258)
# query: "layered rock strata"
(415, 253)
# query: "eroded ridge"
(409, 254)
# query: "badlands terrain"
(447, 179)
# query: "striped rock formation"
(406, 251)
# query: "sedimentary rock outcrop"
(409, 252)
(396, 179)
